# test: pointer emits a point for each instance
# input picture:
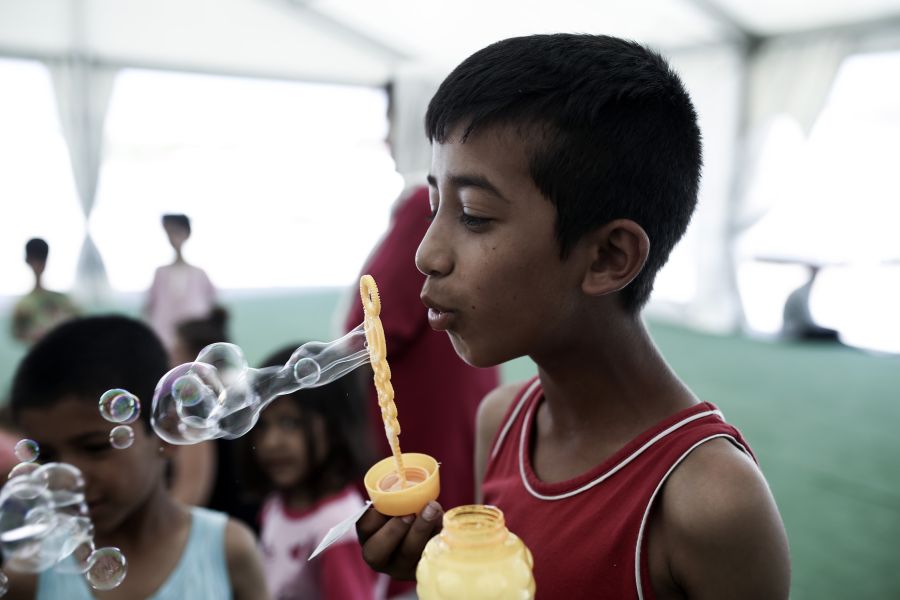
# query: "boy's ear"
(618, 251)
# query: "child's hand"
(393, 545)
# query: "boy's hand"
(393, 545)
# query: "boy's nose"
(433, 257)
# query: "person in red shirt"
(564, 170)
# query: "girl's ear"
(618, 252)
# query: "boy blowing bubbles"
(564, 170)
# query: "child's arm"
(393, 545)
(22, 586)
(490, 415)
(245, 569)
(720, 528)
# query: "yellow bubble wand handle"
(371, 302)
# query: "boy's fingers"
(380, 544)
(426, 525)
(369, 523)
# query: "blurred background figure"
(304, 457)
(180, 290)
(41, 309)
(798, 323)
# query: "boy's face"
(495, 281)
(117, 482)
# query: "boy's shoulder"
(494, 407)
(717, 521)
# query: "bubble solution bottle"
(475, 557)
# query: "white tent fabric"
(744, 63)
(82, 96)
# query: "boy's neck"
(611, 383)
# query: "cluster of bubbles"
(220, 396)
(123, 408)
(44, 524)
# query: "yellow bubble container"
(475, 557)
(421, 472)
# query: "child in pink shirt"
(309, 449)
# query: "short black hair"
(341, 404)
(610, 130)
(197, 334)
(178, 220)
(36, 249)
(85, 357)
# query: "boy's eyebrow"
(475, 181)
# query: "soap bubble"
(27, 450)
(44, 524)
(25, 468)
(4, 583)
(120, 406)
(188, 389)
(64, 483)
(219, 396)
(121, 437)
(107, 569)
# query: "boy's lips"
(439, 317)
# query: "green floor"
(823, 420)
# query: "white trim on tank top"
(526, 426)
(512, 417)
(637, 547)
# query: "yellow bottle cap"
(422, 480)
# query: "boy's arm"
(721, 530)
(245, 569)
(490, 415)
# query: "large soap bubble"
(43, 517)
(220, 396)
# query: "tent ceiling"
(363, 41)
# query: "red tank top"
(587, 534)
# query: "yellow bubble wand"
(368, 292)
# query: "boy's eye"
(474, 223)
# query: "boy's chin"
(475, 356)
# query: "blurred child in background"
(308, 451)
(180, 291)
(173, 552)
(40, 310)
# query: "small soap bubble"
(25, 468)
(4, 583)
(27, 450)
(120, 406)
(107, 568)
(121, 437)
(188, 389)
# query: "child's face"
(117, 482)
(281, 444)
(177, 235)
(495, 281)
